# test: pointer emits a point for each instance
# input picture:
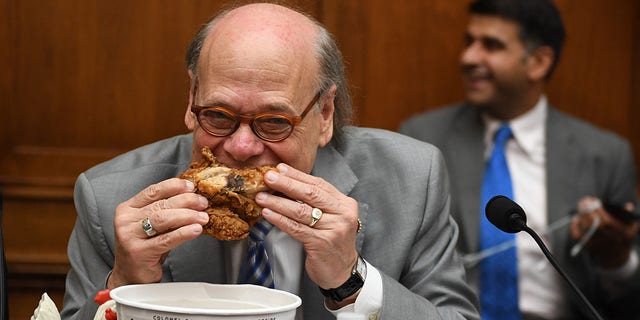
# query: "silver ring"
(148, 228)
(359, 228)
(316, 214)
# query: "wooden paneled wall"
(83, 81)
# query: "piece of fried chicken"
(231, 192)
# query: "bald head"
(263, 43)
(282, 23)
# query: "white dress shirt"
(540, 286)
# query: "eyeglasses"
(221, 122)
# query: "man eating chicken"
(357, 219)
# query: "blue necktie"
(256, 269)
(498, 272)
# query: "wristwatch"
(351, 286)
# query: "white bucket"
(200, 301)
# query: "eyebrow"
(267, 108)
(485, 39)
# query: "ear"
(326, 112)
(539, 63)
(189, 117)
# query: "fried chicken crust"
(231, 192)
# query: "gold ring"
(316, 214)
(148, 228)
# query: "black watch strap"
(349, 287)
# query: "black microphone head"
(505, 214)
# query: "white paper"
(46, 309)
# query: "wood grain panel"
(84, 81)
(37, 234)
(635, 89)
(403, 59)
(401, 56)
(594, 77)
(25, 291)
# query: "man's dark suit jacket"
(581, 160)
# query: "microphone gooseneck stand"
(508, 216)
(547, 253)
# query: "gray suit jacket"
(581, 160)
(400, 184)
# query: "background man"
(512, 47)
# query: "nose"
(243, 144)
(471, 55)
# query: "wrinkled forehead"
(282, 22)
(261, 42)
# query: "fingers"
(140, 260)
(159, 191)
(303, 215)
(164, 242)
(150, 224)
(306, 188)
(329, 242)
(309, 193)
(170, 214)
(579, 226)
(591, 206)
(629, 206)
(164, 214)
(614, 228)
(611, 241)
(169, 220)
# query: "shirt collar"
(528, 129)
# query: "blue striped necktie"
(256, 269)
(498, 272)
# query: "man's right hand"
(612, 242)
(176, 214)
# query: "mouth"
(476, 77)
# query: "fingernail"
(261, 196)
(203, 216)
(190, 185)
(197, 229)
(266, 211)
(282, 167)
(203, 200)
(271, 176)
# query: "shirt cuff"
(106, 280)
(369, 301)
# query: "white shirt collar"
(528, 129)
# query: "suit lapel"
(464, 151)
(564, 164)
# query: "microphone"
(509, 217)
